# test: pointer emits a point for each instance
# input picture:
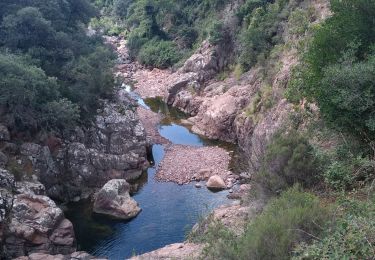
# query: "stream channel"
(168, 211)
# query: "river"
(168, 211)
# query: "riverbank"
(177, 156)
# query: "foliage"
(294, 217)
(346, 168)
(260, 103)
(216, 33)
(262, 28)
(106, 25)
(50, 68)
(120, 7)
(338, 69)
(289, 159)
(351, 236)
(184, 22)
(161, 54)
(299, 21)
(90, 78)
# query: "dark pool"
(168, 210)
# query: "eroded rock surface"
(181, 251)
(114, 147)
(79, 255)
(37, 225)
(114, 200)
(7, 186)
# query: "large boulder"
(215, 182)
(4, 133)
(37, 225)
(114, 200)
(207, 61)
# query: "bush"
(338, 69)
(351, 236)
(262, 29)
(289, 159)
(61, 114)
(216, 33)
(347, 170)
(294, 217)
(160, 54)
(106, 25)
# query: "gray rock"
(38, 225)
(10, 148)
(205, 61)
(7, 186)
(114, 200)
(114, 147)
(30, 187)
(3, 159)
(4, 133)
(79, 255)
(245, 175)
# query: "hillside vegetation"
(171, 30)
(327, 148)
(51, 72)
(317, 174)
(318, 171)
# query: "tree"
(338, 69)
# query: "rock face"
(181, 251)
(4, 133)
(215, 182)
(7, 186)
(207, 61)
(37, 225)
(114, 200)
(114, 147)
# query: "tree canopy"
(52, 73)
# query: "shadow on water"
(168, 210)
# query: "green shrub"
(348, 172)
(351, 236)
(262, 27)
(292, 218)
(160, 54)
(107, 25)
(216, 33)
(289, 159)
(299, 21)
(337, 72)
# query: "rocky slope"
(64, 169)
(247, 110)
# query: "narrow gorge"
(202, 129)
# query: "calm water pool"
(168, 210)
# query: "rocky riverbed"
(113, 149)
(183, 164)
